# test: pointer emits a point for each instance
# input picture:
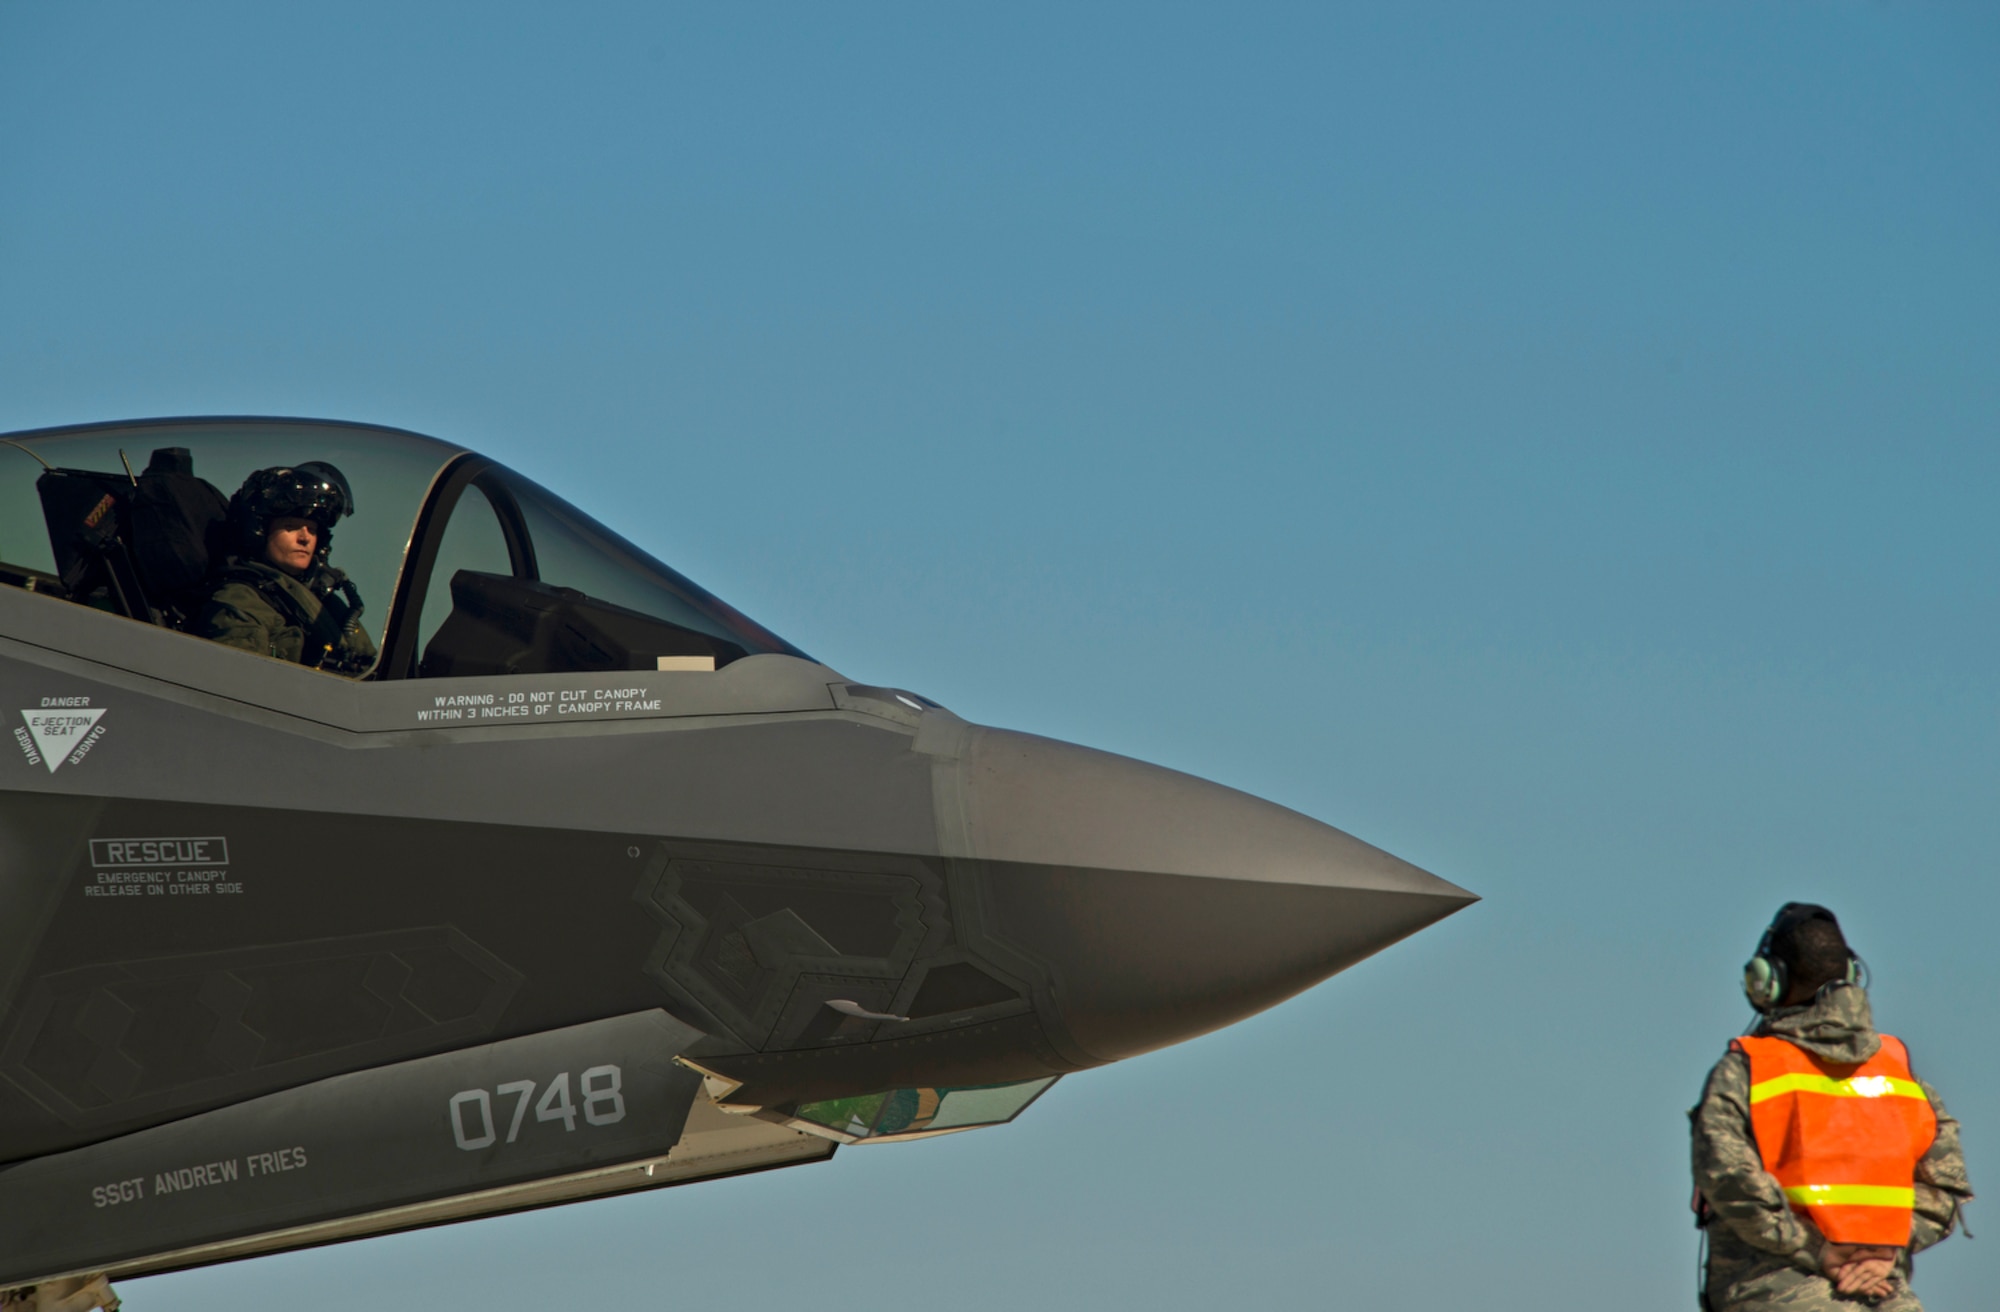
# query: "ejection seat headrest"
(179, 529)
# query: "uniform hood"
(1836, 1027)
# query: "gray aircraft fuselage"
(288, 957)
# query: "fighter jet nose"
(1164, 906)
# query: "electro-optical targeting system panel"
(565, 879)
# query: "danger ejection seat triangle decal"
(57, 733)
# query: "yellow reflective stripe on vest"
(1858, 1086)
(1850, 1195)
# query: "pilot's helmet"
(315, 491)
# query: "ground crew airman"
(278, 596)
(1821, 1163)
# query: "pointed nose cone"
(1163, 906)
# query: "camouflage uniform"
(263, 609)
(1761, 1254)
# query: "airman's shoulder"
(1728, 1080)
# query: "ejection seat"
(140, 545)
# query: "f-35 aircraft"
(580, 883)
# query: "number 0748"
(473, 1125)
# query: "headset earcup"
(1763, 982)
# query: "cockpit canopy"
(465, 567)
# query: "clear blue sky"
(1554, 443)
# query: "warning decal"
(61, 732)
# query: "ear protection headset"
(1765, 979)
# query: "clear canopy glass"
(525, 583)
(499, 576)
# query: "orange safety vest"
(1843, 1140)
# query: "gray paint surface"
(373, 1139)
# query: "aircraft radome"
(588, 884)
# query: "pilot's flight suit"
(263, 609)
(1761, 1253)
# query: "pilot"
(1821, 1162)
(277, 596)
